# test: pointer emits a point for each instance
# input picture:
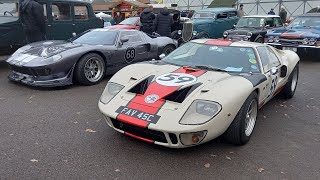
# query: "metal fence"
(293, 7)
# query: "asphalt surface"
(60, 134)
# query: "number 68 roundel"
(175, 79)
(130, 54)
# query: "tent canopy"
(222, 3)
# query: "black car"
(253, 28)
(85, 58)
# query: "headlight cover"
(200, 112)
(52, 50)
(194, 138)
(312, 41)
(270, 39)
(110, 91)
(249, 34)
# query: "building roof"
(111, 4)
(261, 16)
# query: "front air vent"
(180, 95)
(141, 87)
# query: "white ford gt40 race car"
(204, 89)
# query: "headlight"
(56, 57)
(276, 39)
(192, 138)
(245, 38)
(200, 112)
(270, 39)
(194, 33)
(249, 34)
(305, 41)
(312, 41)
(52, 50)
(225, 34)
(110, 91)
(179, 32)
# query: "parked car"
(204, 89)
(86, 58)
(253, 28)
(207, 23)
(129, 23)
(302, 35)
(78, 17)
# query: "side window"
(61, 12)
(269, 21)
(134, 37)
(232, 13)
(44, 6)
(268, 58)
(222, 15)
(80, 12)
(277, 22)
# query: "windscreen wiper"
(210, 68)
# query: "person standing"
(283, 14)
(33, 20)
(117, 18)
(147, 18)
(241, 11)
(271, 12)
(163, 23)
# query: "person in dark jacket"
(163, 23)
(33, 20)
(283, 14)
(118, 18)
(271, 12)
(147, 18)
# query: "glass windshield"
(129, 21)
(9, 9)
(203, 15)
(305, 22)
(231, 59)
(251, 22)
(97, 37)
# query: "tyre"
(168, 49)
(202, 35)
(90, 69)
(290, 88)
(241, 128)
(175, 35)
(259, 40)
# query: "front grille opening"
(141, 87)
(138, 131)
(173, 138)
(182, 94)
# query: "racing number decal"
(175, 79)
(274, 83)
(130, 54)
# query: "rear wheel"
(291, 86)
(90, 69)
(241, 129)
(202, 35)
(168, 49)
(259, 40)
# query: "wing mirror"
(124, 39)
(162, 56)
(74, 34)
(274, 71)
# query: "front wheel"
(290, 88)
(90, 69)
(259, 40)
(168, 49)
(241, 128)
(202, 35)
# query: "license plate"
(290, 48)
(152, 118)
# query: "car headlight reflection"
(200, 112)
(249, 35)
(179, 32)
(312, 41)
(305, 41)
(270, 39)
(110, 91)
(192, 138)
(194, 33)
(225, 34)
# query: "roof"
(262, 16)
(310, 15)
(222, 42)
(216, 10)
(222, 3)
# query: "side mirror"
(74, 34)
(124, 39)
(267, 26)
(234, 26)
(162, 56)
(283, 71)
(274, 71)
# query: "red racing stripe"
(138, 102)
(138, 137)
(218, 42)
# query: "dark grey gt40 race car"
(85, 58)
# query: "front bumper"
(300, 49)
(167, 131)
(41, 81)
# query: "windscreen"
(231, 59)
(251, 22)
(305, 22)
(97, 37)
(9, 9)
(199, 15)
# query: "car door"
(60, 24)
(271, 67)
(221, 23)
(233, 19)
(135, 49)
